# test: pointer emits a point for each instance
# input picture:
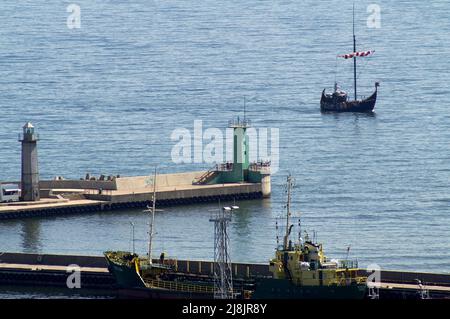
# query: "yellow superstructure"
(306, 265)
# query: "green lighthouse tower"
(240, 150)
(240, 170)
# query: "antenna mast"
(288, 210)
(152, 221)
(244, 108)
(223, 278)
(132, 234)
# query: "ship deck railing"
(239, 123)
(354, 280)
(261, 166)
(348, 264)
(224, 167)
(176, 286)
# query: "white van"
(9, 193)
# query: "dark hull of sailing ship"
(337, 102)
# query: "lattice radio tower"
(223, 278)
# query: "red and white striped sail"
(361, 54)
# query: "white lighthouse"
(30, 171)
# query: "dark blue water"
(106, 98)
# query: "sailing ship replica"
(338, 101)
(302, 271)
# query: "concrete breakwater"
(239, 179)
(62, 196)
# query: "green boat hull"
(131, 285)
(125, 276)
(269, 288)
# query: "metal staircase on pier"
(204, 178)
(213, 172)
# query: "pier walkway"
(84, 196)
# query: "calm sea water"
(106, 98)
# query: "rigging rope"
(360, 69)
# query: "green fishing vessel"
(142, 277)
(138, 278)
(302, 271)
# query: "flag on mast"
(357, 54)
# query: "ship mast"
(354, 50)
(152, 221)
(288, 211)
